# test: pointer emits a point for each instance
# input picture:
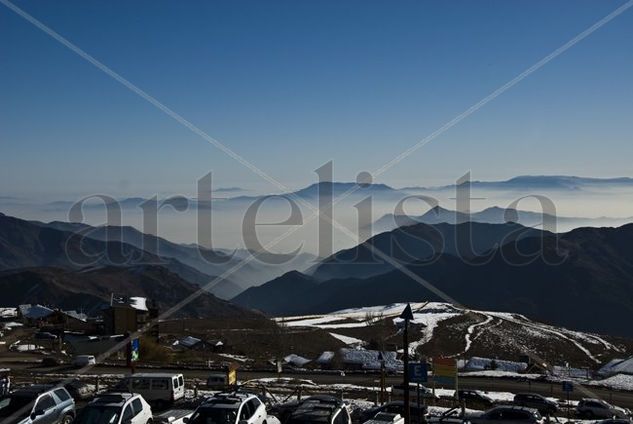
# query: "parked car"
(173, 416)
(474, 398)
(217, 381)
(395, 407)
(386, 418)
(425, 392)
(320, 409)
(451, 416)
(283, 410)
(532, 400)
(51, 361)
(84, 360)
(38, 404)
(116, 408)
(507, 415)
(45, 335)
(597, 408)
(159, 389)
(78, 389)
(230, 408)
(5, 381)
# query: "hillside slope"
(25, 244)
(572, 276)
(90, 290)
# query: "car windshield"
(93, 414)
(10, 405)
(214, 415)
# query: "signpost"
(568, 387)
(132, 352)
(406, 315)
(381, 358)
(231, 376)
(418, 373)
(136, 347)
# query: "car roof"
(34, 390)
(317, 408)
(515, 407)
(113, 399)
(154, 375)
(227, 400)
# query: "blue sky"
(291, 85)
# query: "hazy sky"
(290, 85)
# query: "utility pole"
(406, 315)
(381, 358)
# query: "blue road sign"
(418, 372)
(136, 347)
(568, 386)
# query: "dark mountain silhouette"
(24, 244)
(417, 242)
(277, 294)
(90, 290)
(492, 215)
(264, 267)
(582, 279)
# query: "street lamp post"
(406, 315)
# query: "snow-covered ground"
(431, 314)
(618, 382)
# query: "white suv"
(116, 408)
(230, 408)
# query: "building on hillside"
(126, 315)
(8, 313)
(33, 314)
(617, 366)
(68, 321)
(194, 343)
(362, 359)
(482, 364)
(325, 359)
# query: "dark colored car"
(45, 335)
(51, 361)
(418, 412)
(320, 410)
(474, 399)
(536, 401)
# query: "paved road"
(620, 398)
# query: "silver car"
(37, 404)
(597, 408)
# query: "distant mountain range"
(582, 279)
(541, 182)
(492, 215)
(52, 264)
(523, 183)
(25, 244)
(195, 264)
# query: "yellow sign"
(444, 370)
(231, 377)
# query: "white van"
(157, 388)
(84, 360)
